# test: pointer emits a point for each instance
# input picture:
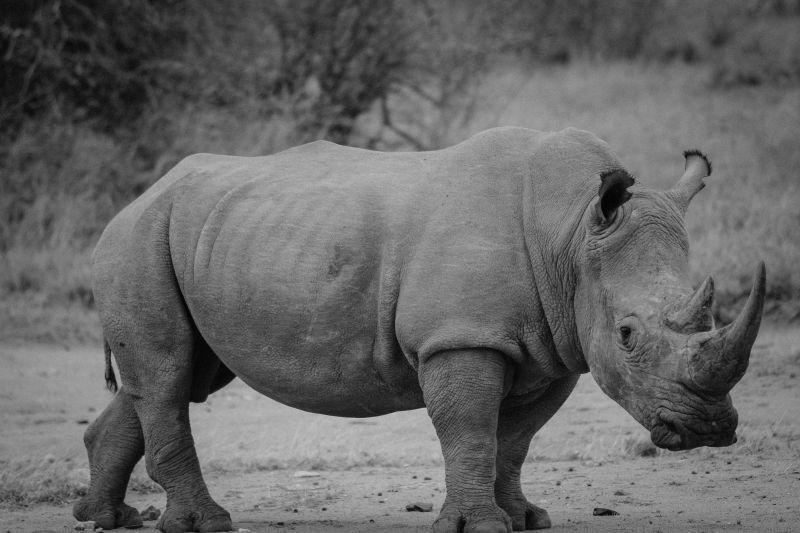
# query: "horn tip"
(694, 152)
(761, 273)
(707, 289)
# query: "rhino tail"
(111, 379)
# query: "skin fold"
(478, 281)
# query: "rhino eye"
(626, 335)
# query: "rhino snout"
(673, 431)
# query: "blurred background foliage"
(100, 98)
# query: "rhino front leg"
(516, 427)
(463, 390)
(114, 444)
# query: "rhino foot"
(537, 518)
(451, 520)
(107, 516)
(525, 516)
(181, 520)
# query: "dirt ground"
(275, 468)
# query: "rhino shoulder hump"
(581, 137)
(194, 162)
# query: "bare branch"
(387, 122)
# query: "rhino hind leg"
(163, 365)
(170, 455)
(163, 378)
(114, 444)
(516, 427)
(172, 462)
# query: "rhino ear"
(613, 193)
(698, 167)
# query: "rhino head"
(649, 339)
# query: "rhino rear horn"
(696, 314)
(719, 358)
(697, 168)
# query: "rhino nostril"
(668, 434)
(673, 425)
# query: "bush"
(766, 51)
(554, 31)
(338, 57)
(84, 58)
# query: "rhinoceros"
(478, 281)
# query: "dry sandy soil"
(592, 454)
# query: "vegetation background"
(99, 99)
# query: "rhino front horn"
(717, 359)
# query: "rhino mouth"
(673, 433)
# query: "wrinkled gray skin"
(477, 281)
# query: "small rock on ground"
(305, 473)
(420, 507)
(149, 513)
(602, 511)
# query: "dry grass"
(50, 480)
(34, 317)
(28, 481)
(639, 447)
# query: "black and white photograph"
(460, 266)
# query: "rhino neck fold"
(552, 217)
(555, 276)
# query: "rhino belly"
(298, 307)
(312, 359)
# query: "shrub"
(84, 58)
(338, 57)
(766, 51)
